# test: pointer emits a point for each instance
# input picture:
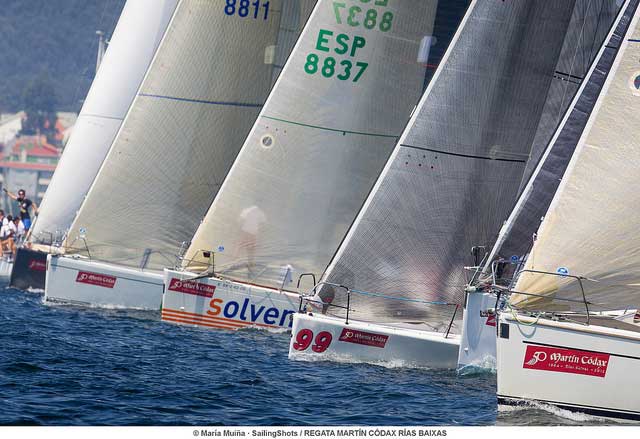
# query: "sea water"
(63, 365)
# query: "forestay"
(591, 227)
(322, 138)
(206, 85)
(516, 236)
(454, 175)
(133, 44)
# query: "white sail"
(322, 138)
(454, 175)
(133, 44)
(206, 85)
(590, 229)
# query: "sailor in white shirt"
(18, 228)
(6, 234)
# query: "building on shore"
(28, 162)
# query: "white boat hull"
(89, 283)
(478, 341)
(590, 369)
(211, 302)
(5, 271)
(327, 338)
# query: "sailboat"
(133, 44)
(305, 169)
(579, 75)
(194, 107)
(393, 291)
(556, 344)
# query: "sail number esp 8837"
(341, 64)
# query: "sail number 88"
(356, 16)
(244, 7)
(329, 65)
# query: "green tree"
(39, 102)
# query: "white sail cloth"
(133, 44)
(591, 228)
(322, 138)
(455, 173)
(205, 87)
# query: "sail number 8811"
(244, 7)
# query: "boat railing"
(84, 251)
(313, 298)
(579, 279)
(303, 275)
(49, 242)
(475, 269)
(53, 240)
(181, 252)
(206, 264)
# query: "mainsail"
(454, 174)
(133, 44)
(322, 138)
(202, 93)
(516, 236)
(591, 227)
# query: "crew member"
(24, 204)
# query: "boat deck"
(606, 322)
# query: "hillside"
(51, 41)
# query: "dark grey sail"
(454, 175)
(516, 237)
(590, 25)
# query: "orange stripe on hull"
(197, 323)
(211, 318)
(204, 318)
